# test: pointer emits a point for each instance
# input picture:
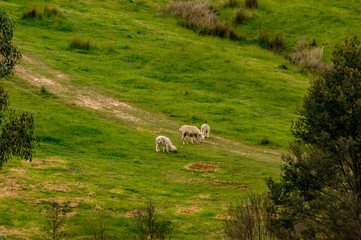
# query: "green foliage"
(9, 54)
(16, 129)
(149, 226)
(319, 193)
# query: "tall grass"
(200, 18)
(231, 3)
(270, 41)
(81, 43)
(32, 12)
(251, 4)
(307, 55)
(240, 16)
(36, 12)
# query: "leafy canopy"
(319, 195)
(16, 129)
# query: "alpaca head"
(173, 148)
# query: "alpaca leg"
(197, 139)
(167, 148)
(157, 147)
(192, 140)
(163, 148)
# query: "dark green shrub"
(80, 43)
(251, 4)
(240, 16)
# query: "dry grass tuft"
(273, 42)
(307, 55)
(80, 43)
(200, 18)
(240, 16)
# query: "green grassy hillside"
(95, 151)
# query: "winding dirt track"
(58, 83)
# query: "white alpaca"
(191, 131)
(206, 130)
(167, 144)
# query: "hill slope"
(144, 76)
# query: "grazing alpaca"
(167, 144)
(206, 130)
(191, 131)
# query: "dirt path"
(58, 83)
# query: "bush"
(275, 43)
(231, 3)
(149, 226)
(80, 43)
(32, 12)
(250, 218)
(240, 16)
(251, 4)
(307, 55)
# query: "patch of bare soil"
(220, 216)
(131, 213)
(46, 163)
(242, 187)
(202, 167)
(188, 210)
(9, 188)
(18, 233)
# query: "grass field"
(145, 76)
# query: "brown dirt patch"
(207, 196)
(119, 191)
(9, 188)
(202, 167)
(131, 213)
(242, 187)
(188, 210)
(46, 163)
(18, 233)
(220, 216)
